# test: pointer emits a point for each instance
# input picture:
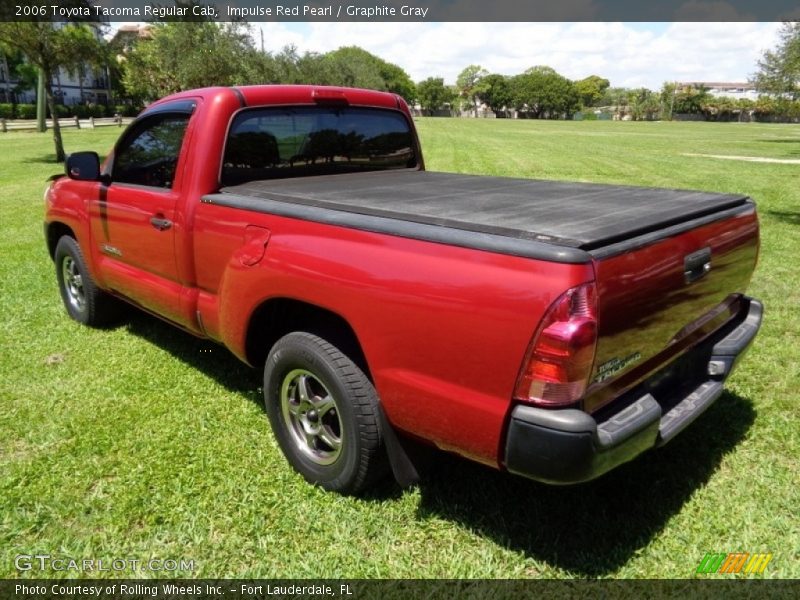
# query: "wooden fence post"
(77, 122)
(3, 125)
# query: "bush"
(62, 111)
(26, 111)
(85, 111)
(81, 111)
(126, 110)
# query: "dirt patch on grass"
(761, 159)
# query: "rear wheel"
(324, 413)
(84, 301)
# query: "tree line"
(177, 56)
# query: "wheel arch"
(54, 232)
(277, 317)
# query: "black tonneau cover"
(571, 215)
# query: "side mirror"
(83, 166)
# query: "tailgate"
(662, 293)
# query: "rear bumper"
(570, 446)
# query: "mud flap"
(404, 471)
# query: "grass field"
(142, 442)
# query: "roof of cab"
(261, 95)
(256, 95)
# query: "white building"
(87, 85)
(734, 90)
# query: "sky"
(627, 54)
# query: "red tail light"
(559, 360)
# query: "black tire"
(330, 433)
(84, 301)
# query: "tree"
(618, 98)
(350, 67)
(82, 49)
(186, 55)
(25, 74)
(355, 67)
(396, 79)
(643, 104)
(289, 66)
(691, 100)
(27, 77)
(590, 89)
(312, 67)
(779, 69)
(432, 94)
(5, 69)
(284, 65)
(470, 86)
(543, 93)
(48, 47)
(720, 109)
(668, 92)
(15, 65)
(496, 93)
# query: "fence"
(90, 123)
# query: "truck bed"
(579, 216)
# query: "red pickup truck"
(551, 329)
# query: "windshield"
(269, 143)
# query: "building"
(86, 85)
(733, 90)
(127, 35)
(5, 80)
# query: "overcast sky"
(628, 54)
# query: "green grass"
(140, 441)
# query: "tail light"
(559, 360)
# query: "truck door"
(133, 219)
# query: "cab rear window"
(278, 142)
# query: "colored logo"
(734, 562)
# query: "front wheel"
(324, 413)
(84, 301)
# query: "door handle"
(160, 223)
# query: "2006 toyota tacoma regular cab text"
(551, 329)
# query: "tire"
(324, 414)
(84, 301)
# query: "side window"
(149, 154)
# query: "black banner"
(399, 10)
(386, 589)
